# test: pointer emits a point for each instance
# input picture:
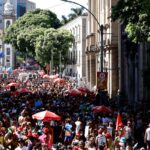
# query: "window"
(8, 59)
(7, 24)
(8, 51)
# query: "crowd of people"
(79, 128)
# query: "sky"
(57, 6)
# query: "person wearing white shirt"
(147, 137)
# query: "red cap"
(100, 131)
(107, 135)
(75, 148)
(29, 134)
(35, 135)
(45, 130)
(77, 134)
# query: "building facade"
(10, 11)
(21, 7)
(76, 65)
(2, 3)
(30, 6)
(106, 41)
(9, 18)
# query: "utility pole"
(60, 63)
(102, 48)
(51, 61)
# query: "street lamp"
(101, 28)
(60, 62)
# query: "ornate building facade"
(9, 17)
(108, 42)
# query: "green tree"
(22, 34)
(64, 20)
(134, 14)
(75, 13)
(53, 41)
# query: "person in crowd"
(100, 140)
(128, 133)
(147, 137)
(46, 139)
(78, 126)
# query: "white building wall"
(76, 27)
(30, 6)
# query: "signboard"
(102, 80)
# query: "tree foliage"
(53, 41)
(134, 14)
(32, 23)
(75, 12)
(36, 34)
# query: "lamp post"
(60, 63)
(101, 27)
(51, 69)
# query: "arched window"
(7, 23)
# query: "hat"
(123, 140)
(77, 134)
(45, 130)
(29, 134)
(129, 122)
(100, 131)
(107, 135)
(35, 135)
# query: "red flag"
(119, 122)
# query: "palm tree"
(75, 13)
(64, 20)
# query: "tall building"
(76, 65)
(107, 43)
(2, 2)
(21, 7)
(8, 18)
(31, 6)
(9, 11)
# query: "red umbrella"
(46, 76)
(73, 92)
(59, 80)
(41, 73)
(102, 109)
(12, 84)
(84, 89)
(46, 116)
(24, 90)
(54, 76)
